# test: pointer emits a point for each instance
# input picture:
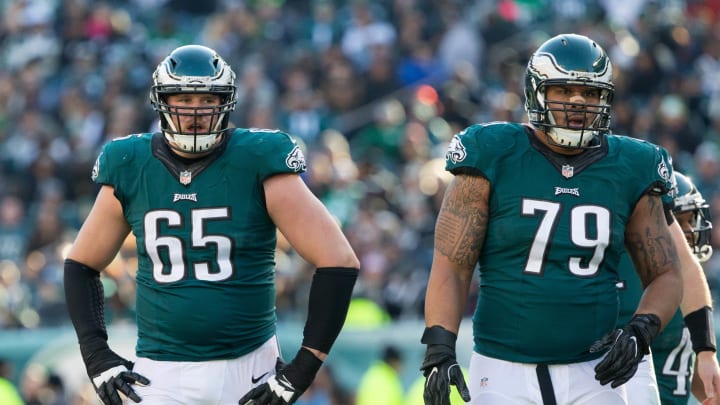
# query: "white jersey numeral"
(678, 364)
(174, 246)
(585, 220)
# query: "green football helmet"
(688, 199)
(193, 69)
(569, 60)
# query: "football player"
(672, 351)
(204, 202)
(545, 210)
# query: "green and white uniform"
(555, 236)
(205, 242)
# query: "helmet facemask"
(698, 236)
(193, 69)
(583, 123)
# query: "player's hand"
(111, 374)
(440, 368)
(289, 382)
(706, 379)
(627, 347)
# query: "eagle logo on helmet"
(456, 150)
(296, 159)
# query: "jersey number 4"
(679, 365)
(198, 240)
(581, 216)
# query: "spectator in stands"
(381, 383)
(9, 394)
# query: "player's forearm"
(330, 294)
(446, 295)
(662, 295)
(696, 293)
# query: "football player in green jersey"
(693, 214)
(665, 376)
(545, 211)
(205, 202)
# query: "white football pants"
(498, 382)
(217, 382)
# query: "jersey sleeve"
(276, 152)
(477, 148)
(113, 154)
(646, 166)
(669, 195)
(662, 175)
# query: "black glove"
(627, 348)
(440, 367)
(288, 383)
(111, 373)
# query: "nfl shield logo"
(567, 171)
(186, 177)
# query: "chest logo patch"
(567, 171)
(564, 190)
(185, 177)
(189, 196)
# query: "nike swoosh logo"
(255, 380)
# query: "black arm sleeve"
(330, 295)
(85, 304)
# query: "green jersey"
(555, 235)
(205, 242)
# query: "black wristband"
(328, 305)
(702, 330)
(85, 303)
(437, 335)
(302, 369)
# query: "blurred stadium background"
(373, 89)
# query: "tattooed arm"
(459, 236)
(655, 258)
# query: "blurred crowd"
(372, 89)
